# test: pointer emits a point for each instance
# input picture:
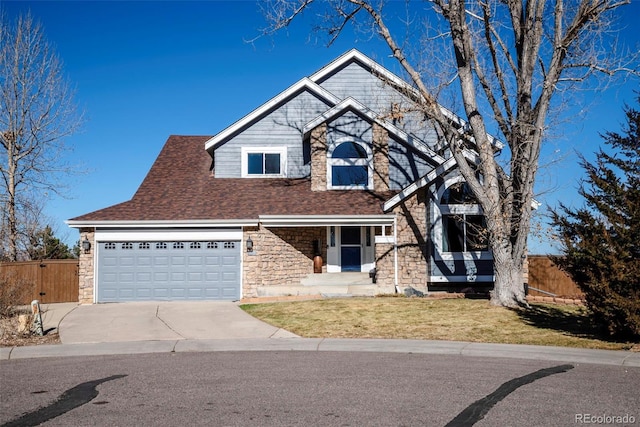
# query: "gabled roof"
(350, 104)
(179, 189)
(389, 77)
(312, 84)
(302, 85)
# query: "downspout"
(395, 253)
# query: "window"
(110, 246)
(161, 245)
(212, 245)
(264, 162)
(144, 245)
(195, 245)
(127, 245)
(349, 166)
(464, 227)
(178, 245)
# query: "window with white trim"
(464, 228)
(264, 162)
(349, 166)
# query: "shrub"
(14, 291)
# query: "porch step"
(336, 279)
(325, 290)
(329, 285)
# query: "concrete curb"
(511, 351)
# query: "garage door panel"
(126, 261)
(126, 277)
(144, 293)
(195, 276)
(144, 261)
(160, 293)
(178, 261)
(168, 270)
(143, 277)
(195, 260)
(126, 293)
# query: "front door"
(350, 249)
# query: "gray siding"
(405, 166)
(349, 126)
(357, 82)
(282, 127)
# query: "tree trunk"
(509, 280)
(11, 189)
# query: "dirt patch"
(11, 337)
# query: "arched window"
(464, 227)
(349, 166)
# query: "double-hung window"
(261, 162)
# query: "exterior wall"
(405, 165)
(380, 158)
(86, 268)
(412, 247)
(412, 243)
(282, 127)
(358, 82)
(319, 158)
(282, 256)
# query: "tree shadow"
(577, 324)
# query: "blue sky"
(149, 69)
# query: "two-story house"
(334, 177)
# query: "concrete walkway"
(163, 327)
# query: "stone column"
(319, 158)
(380, 158)
(86, 268)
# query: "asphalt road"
(314, 389)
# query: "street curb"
(510, 351)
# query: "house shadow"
(577, 324)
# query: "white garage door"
(177, 270)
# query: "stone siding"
(281, 257)
(380, 158)
(319, 158)
(86, 268)
(412, 247)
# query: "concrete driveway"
(153, 321)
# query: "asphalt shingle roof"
(180, 187)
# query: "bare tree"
(510, 58)
(37, 112)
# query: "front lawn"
(432, 319)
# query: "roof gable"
(370, 116)
(402, 86)
(302, 85)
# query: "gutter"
(208, 223)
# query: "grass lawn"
(430, 319)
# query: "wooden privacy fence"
(55, 280)
(546, 279)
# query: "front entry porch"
(330, 285)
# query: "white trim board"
(167, 235)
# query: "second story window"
(264, 162)
(349, 166)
